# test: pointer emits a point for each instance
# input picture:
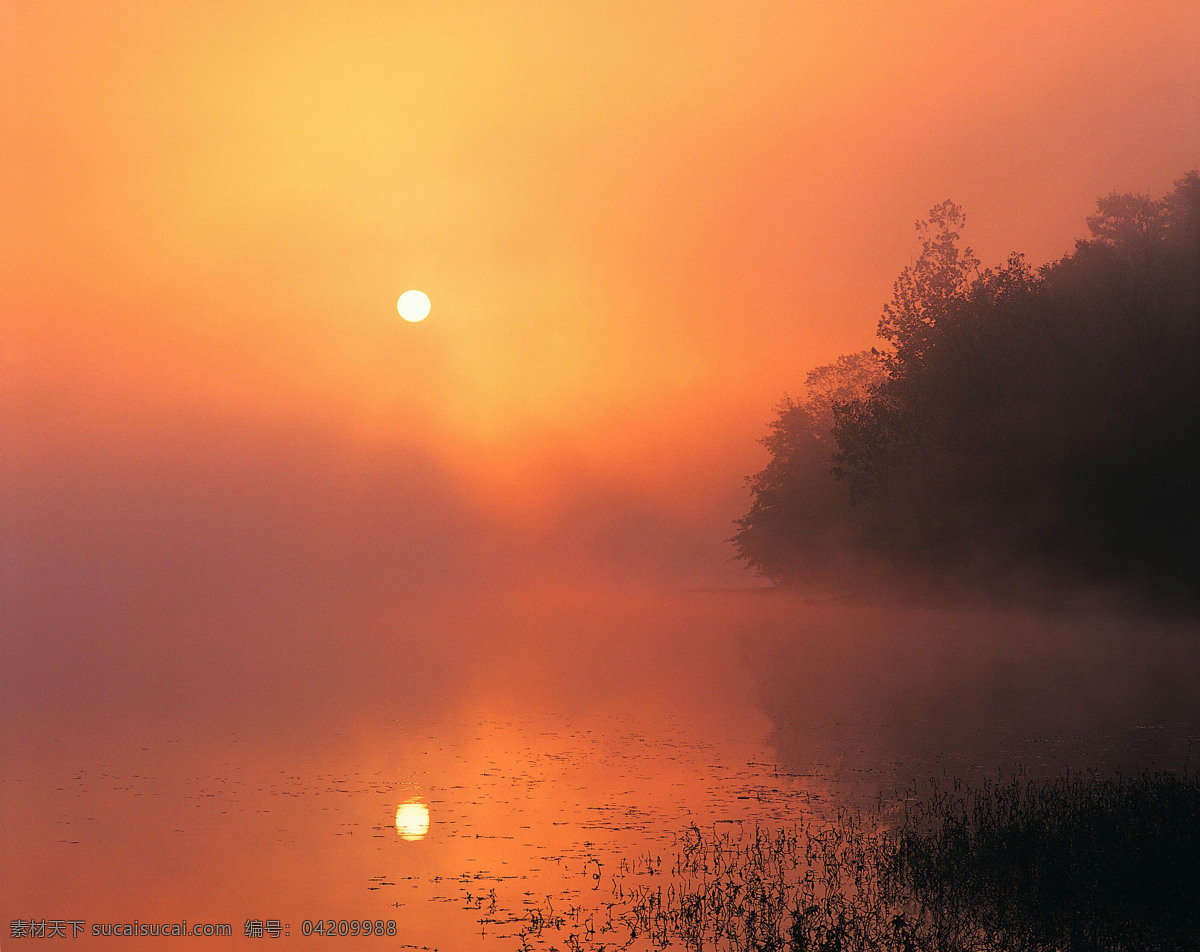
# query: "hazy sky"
(639, 223)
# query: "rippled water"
(560, 746)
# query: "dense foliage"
(1017, 420)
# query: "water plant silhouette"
(1076, 864)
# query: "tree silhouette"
(927, 290)
(798, 512)
(1020, 420)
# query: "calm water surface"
(560, 744)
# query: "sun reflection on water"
(412, 820)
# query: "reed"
(1077, 864)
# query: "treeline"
(1015, 422)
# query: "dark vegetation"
(1018, 423)
(1073, 865)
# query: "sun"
(412, 820)
(413, 306)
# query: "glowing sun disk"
(413, 306)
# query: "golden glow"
(218, 246)
(412, 820)
(413, 306)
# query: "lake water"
(557, 743)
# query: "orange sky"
(639, 223)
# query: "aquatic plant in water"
(1078, 864)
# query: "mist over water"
(893, 693)
(545, 727)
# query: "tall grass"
(1078, 864)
